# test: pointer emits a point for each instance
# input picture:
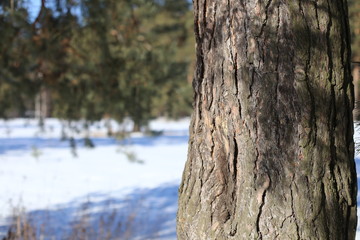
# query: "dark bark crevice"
(235, 165)
(327, 214)
(261, 197)
(317, 14)
(277, 69)
(293, 213)
(263, 25)
(312, 121)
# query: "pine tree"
(271, 151)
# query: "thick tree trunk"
(271, 152)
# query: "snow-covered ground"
(124, 188)
(135, 180)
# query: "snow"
(40, 172)
(127, 187)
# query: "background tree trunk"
(271, 152)
(356, 79)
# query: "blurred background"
(95, 100)
(95, 59)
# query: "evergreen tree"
(354, 17)
(86, 59)
(16, 83)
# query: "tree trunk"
(356, 79)
(271, 151)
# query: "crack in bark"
(313, 120)
(258, 217)
(345, 60)
(347, 38)
(347, 79)
(245, 25)
(200, 68)
(237, 85)
(317, 14)
(328, 42)
(235, 160)
(266, 18)
(286, 218)
(332, 111)
(236, 78)
(222, 74)
(293, 208)
(211, 96)
(277, 74)
(204, 14)
(347, 220)
(233, 231)
(263, 192)
(257, 154)
(232, 55)
(262, 51)
(197, 22)
(252, 81)
(213, 28)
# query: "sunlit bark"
(271, 152)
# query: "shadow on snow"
(141, 214)
(28, 143)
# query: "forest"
(94, 59)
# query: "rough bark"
(271, 152)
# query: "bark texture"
(271, 152)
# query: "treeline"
(354, 15)
(90, 59)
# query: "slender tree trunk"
(356, 79)
(42, 104)
(271, 151)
